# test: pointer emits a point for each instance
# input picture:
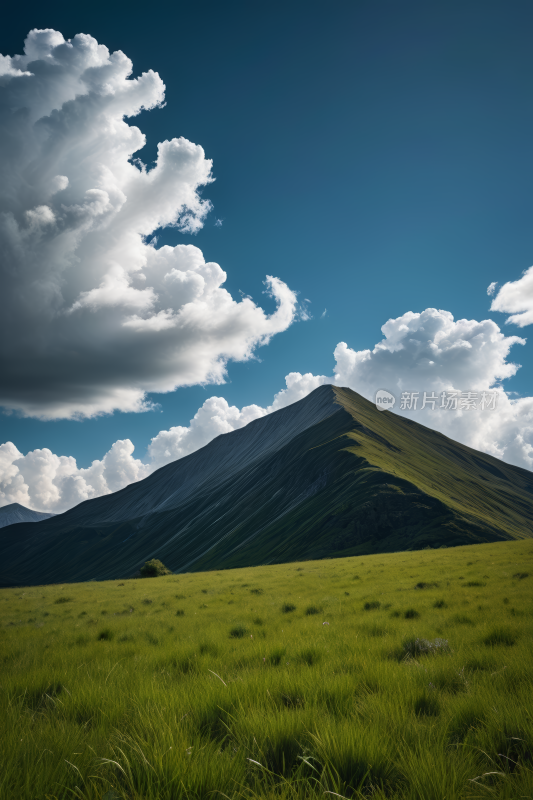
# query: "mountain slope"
(329, 475)
(14, 512)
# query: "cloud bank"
(428, 351)
(93, 315)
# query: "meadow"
(406, 675)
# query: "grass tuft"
(500, 636)
(419, 647)
(286, 608)
(427, 705)
(238, 632)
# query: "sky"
(373, 159)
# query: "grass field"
(406, 675)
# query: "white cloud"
(516, 298)
(92, 315)
(491, 288)
(426, 352)
(431, 352)
(44, 481)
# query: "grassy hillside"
(478, 487)
(404, 675)
(358, 481)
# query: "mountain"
(14, 512)
(327, 476)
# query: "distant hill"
(327, 476)
(14, 512)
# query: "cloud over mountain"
(93, 316)
(426, 352)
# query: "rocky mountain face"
(327, 476)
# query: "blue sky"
(376, 157)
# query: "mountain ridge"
(14, 513)
(329, 475)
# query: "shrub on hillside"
(154, 568)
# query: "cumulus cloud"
(426, 352)
(42, 480)
(516, 298)
(420, 352)
(433, 353)
(94, 316)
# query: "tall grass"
(214, 690)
